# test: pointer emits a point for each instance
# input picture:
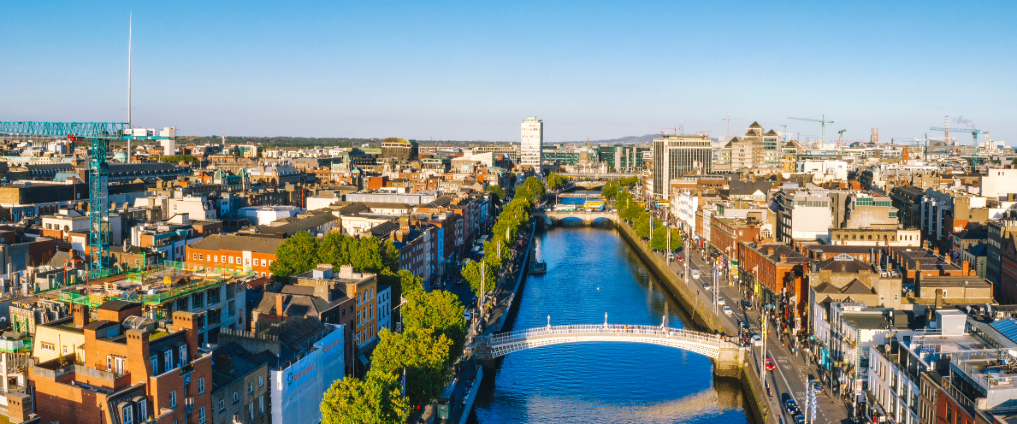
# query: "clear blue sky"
(474, 70)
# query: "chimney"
(188, 323)
(279, 304)
(925, 244)
(80, 315)
(935, 251)
(783, 257)
(947, 259)
(769, 252)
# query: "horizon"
(473, 73)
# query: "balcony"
(189, 405)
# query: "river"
(591, 271)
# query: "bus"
(594, 205)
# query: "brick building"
(236, 253)
(130, 371)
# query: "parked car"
(728, 311)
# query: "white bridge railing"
(601, 329)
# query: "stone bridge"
(587, 217)
(727, 355)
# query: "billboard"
(298, 389)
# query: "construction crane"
(729, 119)
(840, 138)
(974, 135)
(98, 135)
(822, 121)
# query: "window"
(235, 398)
(168, 360)
(155, 364)
(201, 385)
(118, 364)
(223, 259)
(201, 415)
(261, 381)
(250, 411)
(127, 415)
(173, 398)
(222, 404)
(238, 260)
(250, 387)
(194, 256)
(48, 346)
(142, 410)
(201, 257)
(231, 259)
(183, 354)
(264, 262)
(261, 406)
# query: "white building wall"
(998, 183)
(531, 148)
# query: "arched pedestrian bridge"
(587, 217)
(728, 356)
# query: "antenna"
(130, 30)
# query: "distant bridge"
(727, 354)
(587, 217)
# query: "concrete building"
(676, 156)
(531, 148)
(802, 215)
(996, 183)
(399, 149)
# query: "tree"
(610, 190)
(296, 255)
(441, 312)
(334, 249)
(497, 191)
(423, 355)
(366, 255)
(471, 273)
(410, 285)
(556, 181)
(390, 257)
(376, 399)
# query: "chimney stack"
(279, 304)
(935, 251)
(783, 257)
(80, 315)
(769, 252)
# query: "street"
(792, 372)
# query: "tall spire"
(130, 30)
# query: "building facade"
(531, 148)
(674, 156)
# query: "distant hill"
(624, 140)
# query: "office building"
(678, 155)
(532, 147)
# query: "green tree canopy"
(497, 191)
(376, 399)
(556, 181)
(441, 312)
(424, 356)
(471, 273)
(296, 255)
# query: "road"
(791, 373)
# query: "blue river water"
(592, 271)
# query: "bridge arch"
(488, 348)
(588, 218)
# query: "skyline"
(474, 72)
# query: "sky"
(475, 70)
